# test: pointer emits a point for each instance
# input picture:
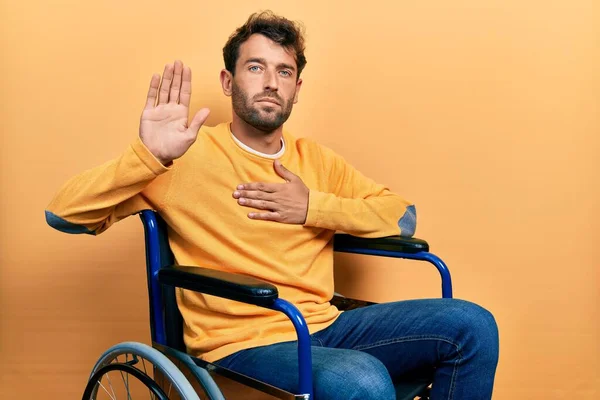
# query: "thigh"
(338, 373)
(409, 337)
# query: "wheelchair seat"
(177, 371)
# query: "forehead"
(259, 46)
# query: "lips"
(269, 100)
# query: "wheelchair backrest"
(166, 322)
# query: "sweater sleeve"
(95, 199)
(356, 205)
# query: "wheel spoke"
(144, 365)
(126, 379)
(110, 385)
(123, 377)
(144, 377)
(102, 386)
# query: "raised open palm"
(164, 125)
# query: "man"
(248, 197)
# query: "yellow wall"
(485, 113)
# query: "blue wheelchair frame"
(159, 258)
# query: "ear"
(298, 86)
(226, 82)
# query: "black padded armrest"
(348, 243)
(218, 283)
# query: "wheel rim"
(129, 376)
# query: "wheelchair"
(165, 371)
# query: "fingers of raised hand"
(176, 82)
(186, 87)
(176, 86)
(165, 86)
(198, 121)
(152, 91)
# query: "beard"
(266, 119)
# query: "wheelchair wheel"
(133, 370)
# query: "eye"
(285, 73)
(254, 68)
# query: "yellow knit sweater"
(207, 227)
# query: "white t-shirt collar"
(258, 153)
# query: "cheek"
(249, 85)
(291, 97)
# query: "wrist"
(153, 162)
(163, 161)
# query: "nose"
(270, 81)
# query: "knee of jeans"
(360, 376)
(478, 329)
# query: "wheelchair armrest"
(348, 243)
(221, 284)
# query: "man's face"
(265, 85)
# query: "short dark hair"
(289, 34)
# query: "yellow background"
(484, 113)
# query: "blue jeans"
(366, 350)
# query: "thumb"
(198, 120)
(283, 171)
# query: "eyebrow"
(264, 62)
